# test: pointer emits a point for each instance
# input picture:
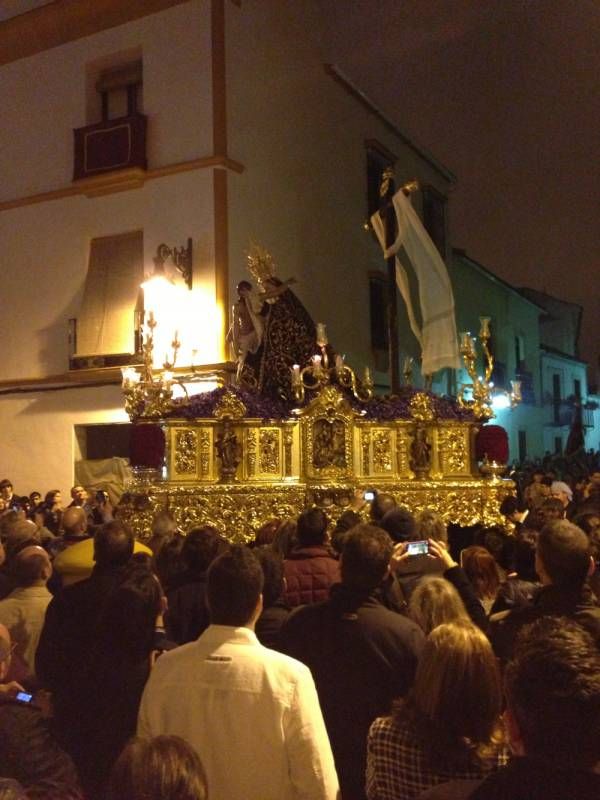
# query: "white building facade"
(127, 125)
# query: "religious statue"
(420, 453)
(271, 330)
(229, 451)
(246, 332)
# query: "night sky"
(505, 93)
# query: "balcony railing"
(110, 145)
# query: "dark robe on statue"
(289, 338)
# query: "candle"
(408, 362)
(465, 340)
(484, 331)
(339, 365)
(516, 390)
(317, 364)
(296, 375)
(367, 380)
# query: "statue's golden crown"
(260, 263)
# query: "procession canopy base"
(235, 467)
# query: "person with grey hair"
(24, 610)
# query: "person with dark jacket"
(408, 570)
(361, 654)
(119, 662)
(275, 610)
(311, 568)
(187, 613)
(563, 563)
(70, 625)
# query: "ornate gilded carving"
(421, 408)
(186, 442)
(237, 510)
(327, 423)
(382, 451)
(366, 450)
(453, 450)
(229, 406)
(329, 443)
(204, 453)
(319, 465)
(251, 452)
(402, 445)
(269, 450)
(288, 442)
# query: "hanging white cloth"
(437, 334)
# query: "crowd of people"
(383, 657)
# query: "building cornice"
(120, 181)
(66, 21)
(339, 77)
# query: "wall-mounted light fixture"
(181, 257)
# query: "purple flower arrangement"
(388, 407)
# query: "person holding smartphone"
(29, 754)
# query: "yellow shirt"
(77, 561)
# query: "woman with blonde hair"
(448, 726)
(434, 602)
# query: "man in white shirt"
(252, 714)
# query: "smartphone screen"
(24, 697)
(417, 548)
(369, 496)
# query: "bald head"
(21, 531)
(31, 566)
(74, 521)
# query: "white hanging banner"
(437, 334)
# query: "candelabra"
(483, 393)
(317, 373)
(147, 394)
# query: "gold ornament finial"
(260, 263)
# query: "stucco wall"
(45, 251)
(44, 97)
(38, 433)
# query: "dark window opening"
(120, 90)
(104, 441)
(558, 445)
(379, 323)
(434, 217)
(556, 398)
(522, 445)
